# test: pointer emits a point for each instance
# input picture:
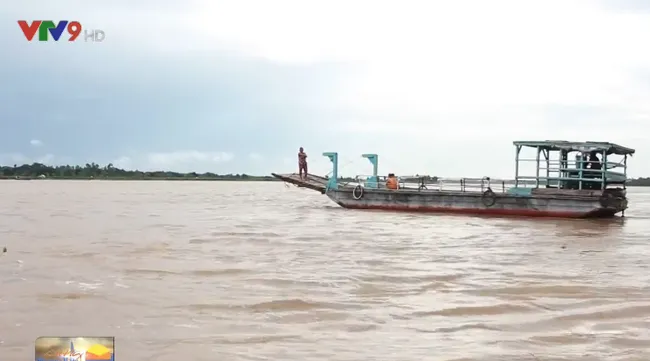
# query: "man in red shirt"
(302, 163)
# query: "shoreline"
(182, 179)
(197, 179)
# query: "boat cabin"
(571, 165)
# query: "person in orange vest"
(391, 181)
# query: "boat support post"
(547, 156)
(538, 150)
(333, 182)
(373, 181)
(625, 171)
(518, 150)
(581, 162)
(603, 171)
(625, 175)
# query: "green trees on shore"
(93, 170)
(639, 182)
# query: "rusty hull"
(540, 203)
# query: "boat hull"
(577, 204)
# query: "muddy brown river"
(209, 271)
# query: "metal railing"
(574, 174)
(571, 165)
(428, 183)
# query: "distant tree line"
(93, 170)
(639, 182)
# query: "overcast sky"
(434, 87)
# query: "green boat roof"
(589, 146)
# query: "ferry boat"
(569, 181)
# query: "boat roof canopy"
(589, 146)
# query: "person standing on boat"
(594, 162)
(302, 163)
(594, 171)
(391, 181)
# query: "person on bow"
(302, 163)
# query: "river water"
(257, 271)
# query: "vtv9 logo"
(44, 28)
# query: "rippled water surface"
(256, 271)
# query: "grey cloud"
(101, 103)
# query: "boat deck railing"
(575, 165)
(574, 174)
(429, 183)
